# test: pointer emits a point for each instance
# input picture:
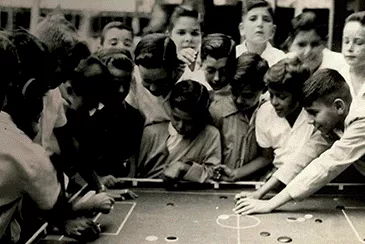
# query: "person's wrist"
(185, 166)
(102, 188)
(234, 175)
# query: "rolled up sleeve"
(344, 152)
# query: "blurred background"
(146, 16)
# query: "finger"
(225, 178)
(183, 59)
(190, 52)
(218, 167)
(189, 57)
(133, 195)
(241, 195)
(113, 179)
(240, 204)
(246, 210)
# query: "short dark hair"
(183, 11)
(114, 24)
(119, 58)
(89, 77)
(57, 33)
(63, 42)
(358, 17)
(305, 22)
(36, 62)
(250, 71)
(251, 4)
(289, 75)
(191, 97)
(218, 46)
(325, 85)
(9, 63)
(156, 51)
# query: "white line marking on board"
(238, 230)
(355, 207)
(352, 226)
(124, 221)
(241, 228)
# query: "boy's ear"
(241, 29)
(340, 106)
(273, 31)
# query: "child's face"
(353, 44)
(183, 122)
(257, 25)
(308, 46)
(215, 71)
(324, 118)
(73, 101)
(246, 99)
(116, 38)
(158, 81)
(186, 33)
(121, 81)
(283, 102)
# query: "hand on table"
(122, 194)
(100, 202)
(223, 173)
(246, 206)
(252, 195)
(110, 181)
(82, 229)
(174, 170)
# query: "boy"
(328, 102)
(235, 115)
(157, 71)
(257, 29)
(289, 129)
(353, 49)
(26, 171)
(117, 35)
(218, 62)
(117, 121)
(63, 42)
(187, 147)
(24, 104)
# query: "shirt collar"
(93, 111)
(172, 131)
(243, 48)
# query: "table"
(205, 216)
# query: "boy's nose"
(260, 22)
(307, 50)
(216, 76)
(274, 101)
(188, 37)
(350, 47)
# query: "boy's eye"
(113, 43)
(176, 118)
(181, 32)
(302, 44)
(282, 97)
(195, 33)
(267, 19)
(359, 41)
(210, 70)
(315, 44)
(252, 18)
(345, 40)
(127, 43)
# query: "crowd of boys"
(179, 105)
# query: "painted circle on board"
(236, 222)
